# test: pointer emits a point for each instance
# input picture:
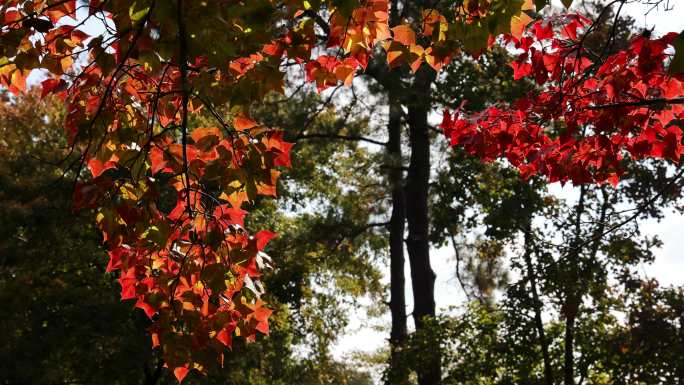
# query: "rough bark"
(417, 242)
(398, 374)
(572, 298)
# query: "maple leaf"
(243, 123)
(97, 167)
(603, 99)
(403, 34)
(52, 86)
(262, 238)
(520, 69)
(180, 373)
(518, 24)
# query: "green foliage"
(55, 328)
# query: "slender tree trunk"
(572, 299)
(391, 82)
(399, 370)
(398, 374)
(417, 243)
(568, 356)
(548, 373)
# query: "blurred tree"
(55, 328)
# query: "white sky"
(363, 335)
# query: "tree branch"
(640, 103)
(183, 67)
(340, 137)
(320, 21)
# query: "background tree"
(55, 328)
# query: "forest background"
(331, 258)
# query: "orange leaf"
(437, 59)
(518, 24)
(395, 54)
(158, 161)
(242, 123)
(155, 340)
(213, 134)
(224, 337)
(416, 53)
(180, 373)
(345, 71)
(18, 83)
(404, 34)
(97, 167)
(11, 16)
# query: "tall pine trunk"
(398, 372)
(537, 304)
(572, 298)
(417, 243)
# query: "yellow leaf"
(518, 24)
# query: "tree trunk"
(398, 371)
(572, 299)
(527, 256)
(417, 243)
(568, 356)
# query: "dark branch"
(320, 21)
(639, 103)
(183, 67)
(341, 137)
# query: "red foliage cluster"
(170, 201)
(188, 267)
(590, 112)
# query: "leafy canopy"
(171, 201)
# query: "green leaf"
(158, 234)
(677, 63)
(214, 277)
(539, 4)
(137, 15)
(346, 7)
